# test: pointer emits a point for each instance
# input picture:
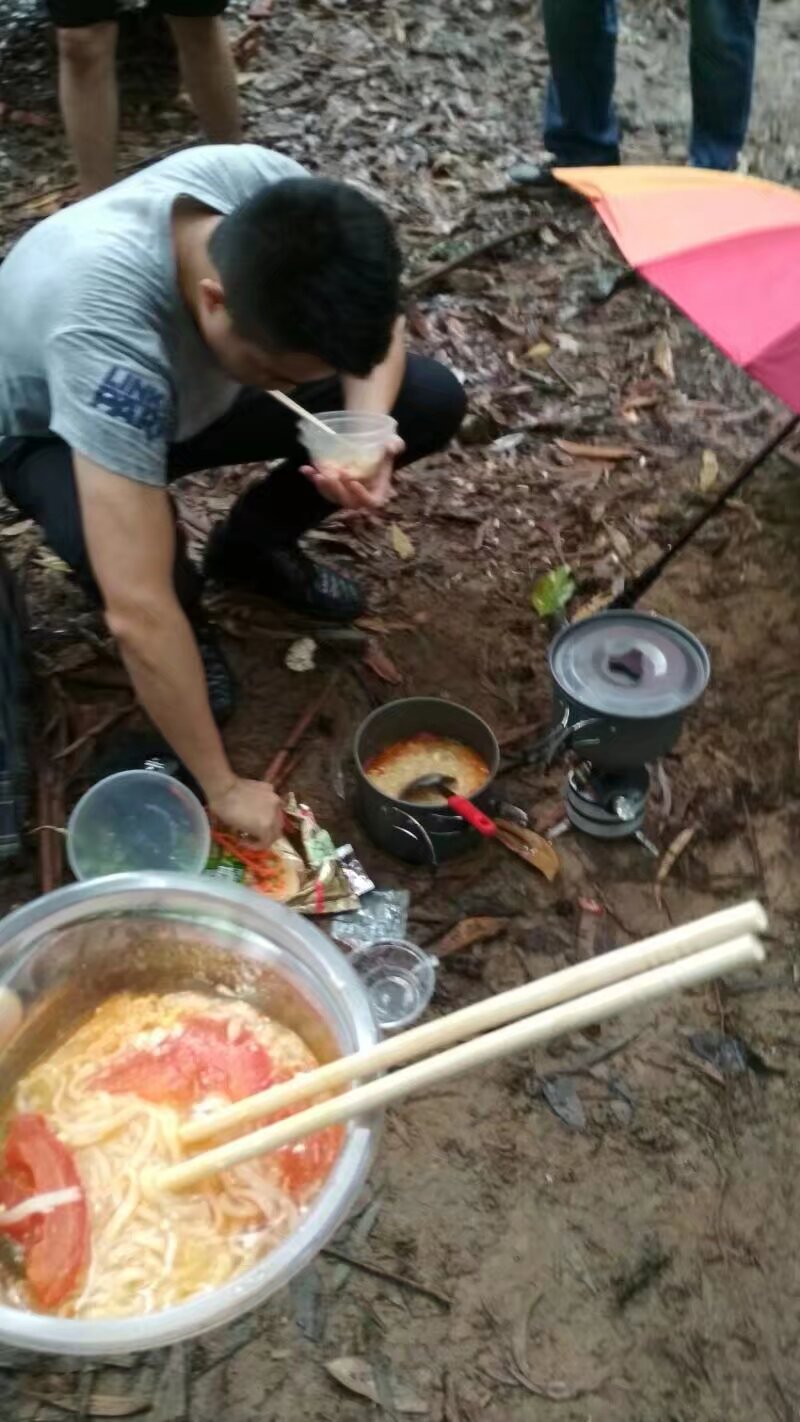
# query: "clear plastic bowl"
(62, 954)
(399, 978)
(137, 820)
(357, 444)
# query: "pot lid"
(622, 663)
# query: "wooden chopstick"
(482, 1016)
(518, 1036)
(303, 414)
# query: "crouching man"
(141, 329)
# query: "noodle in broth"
(146, 1253)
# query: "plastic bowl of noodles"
(89, 981)
(356, 442)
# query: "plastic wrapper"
(381, 914)
(323, 880)
(357, 875)
(316, 843)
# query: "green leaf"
(552, 591)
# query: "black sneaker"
(286, 575)
(219, 677)
(138, 750)
(535, 175)
(539, 177)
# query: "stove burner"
(607, 804)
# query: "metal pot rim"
(423, 701)
(642, 716)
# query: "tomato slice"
(199, 1060)
(307, 1162)
(56, 1244)
(12, 1193)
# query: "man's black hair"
(311, 266)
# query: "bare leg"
(87, 86)
(209, 74)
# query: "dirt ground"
(640, 1266)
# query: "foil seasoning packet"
(325, 890)
(357, 876)
(317, 843)
(381, 914)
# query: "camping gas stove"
(610, 804)
(622, 684)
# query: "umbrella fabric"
(724, 247)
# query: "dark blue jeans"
(580, 124)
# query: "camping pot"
(622, 683)
(419, 834)
(62, 955)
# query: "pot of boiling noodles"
(403, 740)
(129, 1006)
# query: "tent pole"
(639, 585)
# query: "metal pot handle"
(542, 749)
(581, 726)
(555, 740)
(422, 833)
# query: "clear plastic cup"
(399, 979)
(137, 820)
(357, 444)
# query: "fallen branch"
(585, 1065)
(120, 713)
(402, 1280)
(276, 769)
(51, 814)
(48, 833)
(471, 255)
(553, 1391)
(672, 854)
(50, 790)
(289, 768)
(520, 733)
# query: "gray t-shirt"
(96, 344)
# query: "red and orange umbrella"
(723, 247)
(726, 250)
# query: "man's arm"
(377, 393)
(130, 537)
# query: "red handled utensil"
(445, 784)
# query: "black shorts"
(74, 14)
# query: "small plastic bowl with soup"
(357, 442)
(62, 956)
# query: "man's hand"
(249, 807)
(358, 495)
(375, 394)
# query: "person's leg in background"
(207, 65)
(86, 37)
(580, 124)
(257, 546)
(721, 62)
